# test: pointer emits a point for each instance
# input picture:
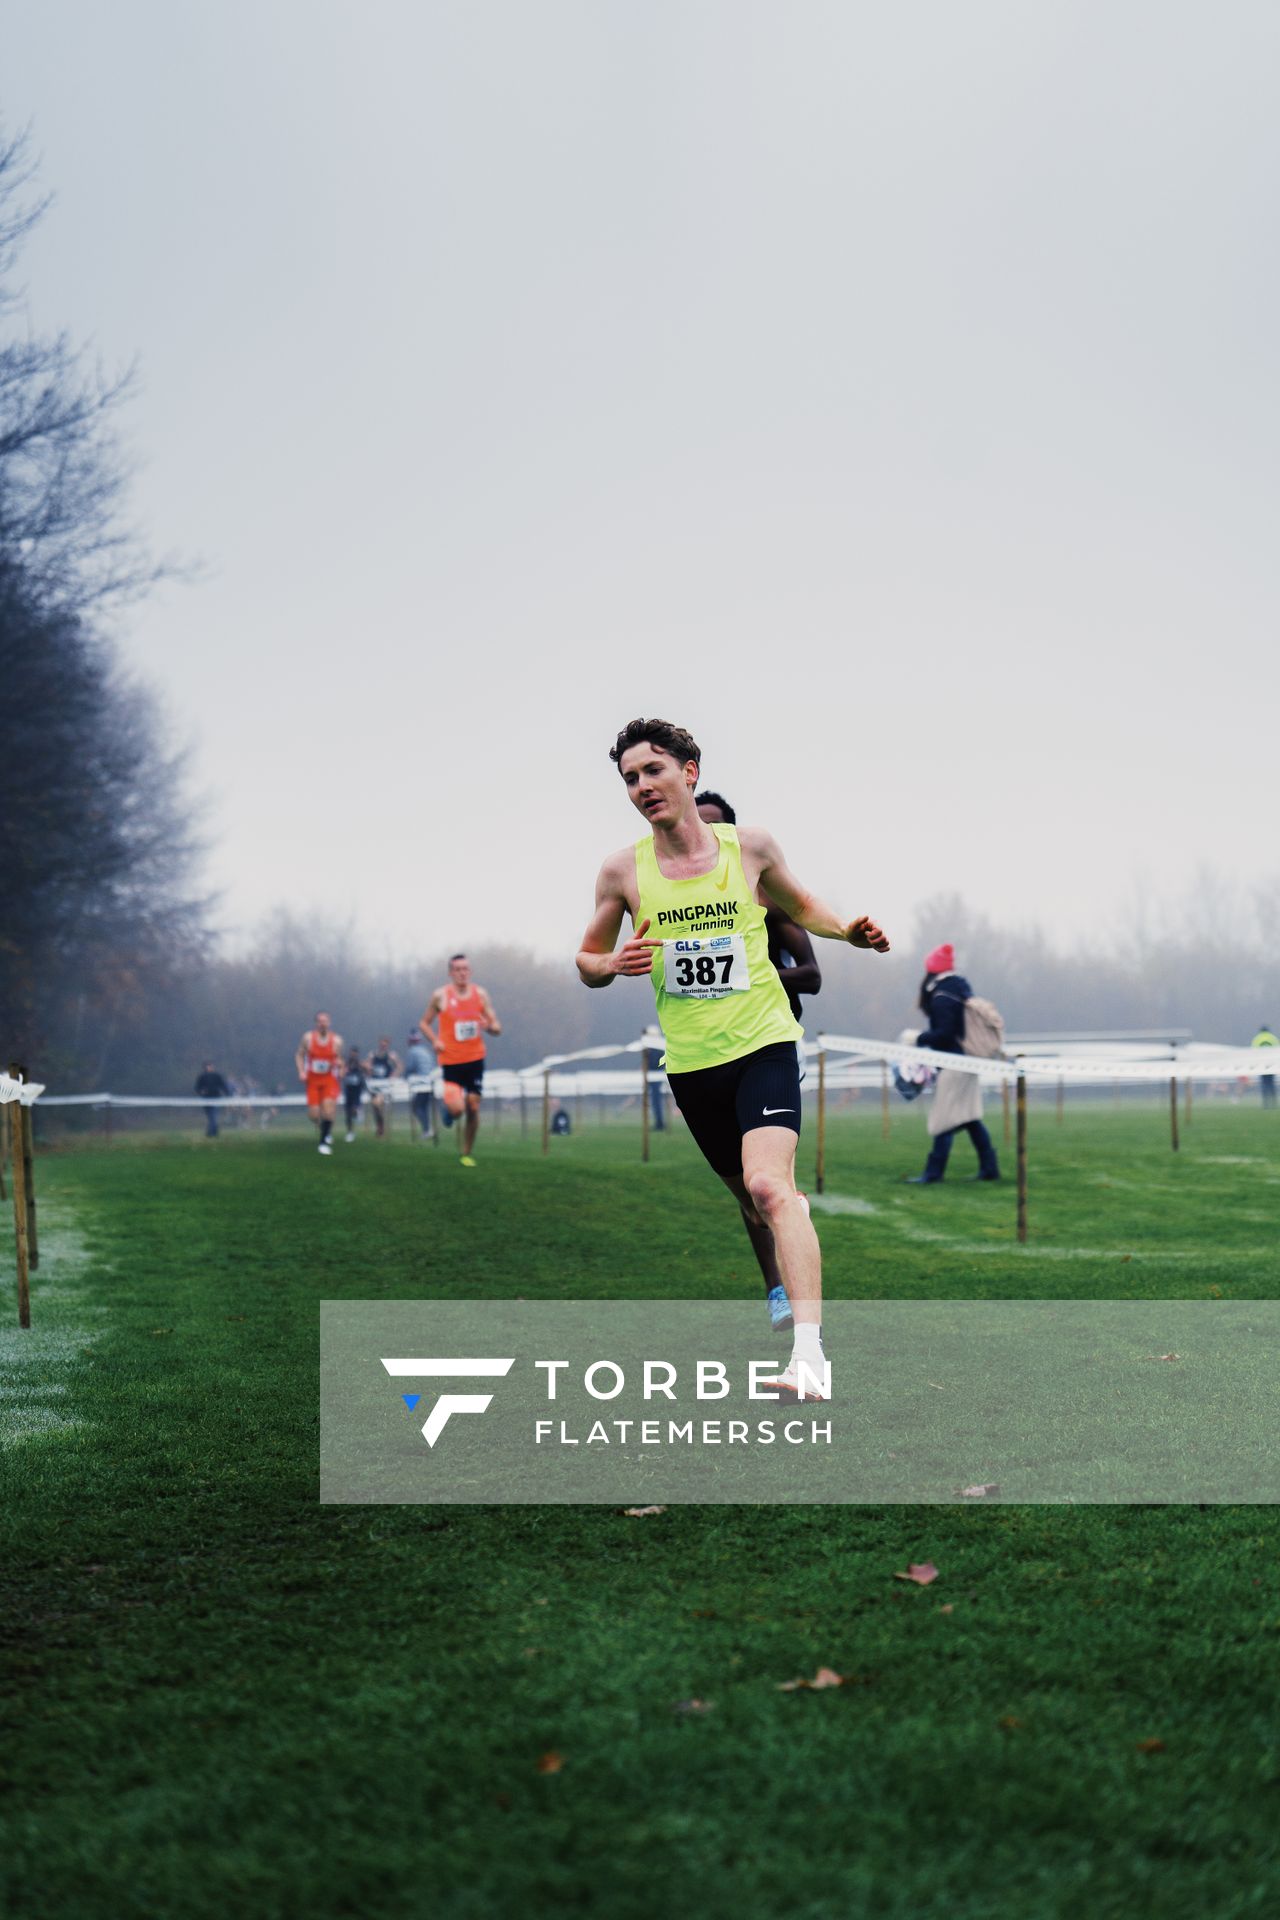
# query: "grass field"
(220, 1697)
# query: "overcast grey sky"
(888, 394)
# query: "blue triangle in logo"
(411, 1400)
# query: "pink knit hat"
(941, 960)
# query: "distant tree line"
(246, 1011)
(97, 909)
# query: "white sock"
(807, 1342)
(806, 1350)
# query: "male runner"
(381, 1066)
(731, 1036)
(420, 1069)
(354, 1088)
(463, 1013)
(791, 953)
(318, 1060)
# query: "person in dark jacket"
(957, 1102)
(210, 1085)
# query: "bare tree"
(96, 842)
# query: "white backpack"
(983, 1029)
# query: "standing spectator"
(1266, 1081)
(957, 1103)
(420, 1067)
(210, 1085)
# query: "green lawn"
(219, 1697)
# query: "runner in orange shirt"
(319, 1064)
(463, 1013)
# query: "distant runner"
(420, 1068)
(354, 1088)
(463, 1013)
(731, 1035)
(381, 1066)
(318, 1060)
(791, 953)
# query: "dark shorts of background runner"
(468, 1074)
(721, 1104)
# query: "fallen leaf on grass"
(638, 1513)
(550, 1762)
(980, 1491)
(824, 1677)
(948, 1608)
(1008, 1723)
(921, 1571)
(693, 1706)
(1151, 1746)
(158, 1330)
(934, 1384)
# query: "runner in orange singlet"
(319, 1064)
(463, 1013)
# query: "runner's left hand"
(863, 932)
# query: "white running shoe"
(324, 1147)
(784, 1384)
(350, 1138)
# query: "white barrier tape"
(1228, 1063)
(24, 1093)
(1197, 1062)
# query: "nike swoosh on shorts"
(767, 1110)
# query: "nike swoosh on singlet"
(768, 1110)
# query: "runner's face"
(460, 973)
(658, 785)
(712, 815)
(322, 1023)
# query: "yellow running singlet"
(718, 993)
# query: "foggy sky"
(886, 394)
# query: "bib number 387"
(705, 969)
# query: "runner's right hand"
(636, 954)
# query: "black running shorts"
(720, 1104)
(468, 1074)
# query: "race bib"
(320, 1066)
(706, 969)
(465, 1029)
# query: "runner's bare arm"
(805, 908)
(491, 1020)
(805, 976)
(597, 962)
(424, 1025)
(300, 1057)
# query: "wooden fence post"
(644, 1103)
(1004, 1102)
(820, 1172)
(20, 1237)
(1022, 1158)
(1173, 1111)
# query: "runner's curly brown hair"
(674, 740)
